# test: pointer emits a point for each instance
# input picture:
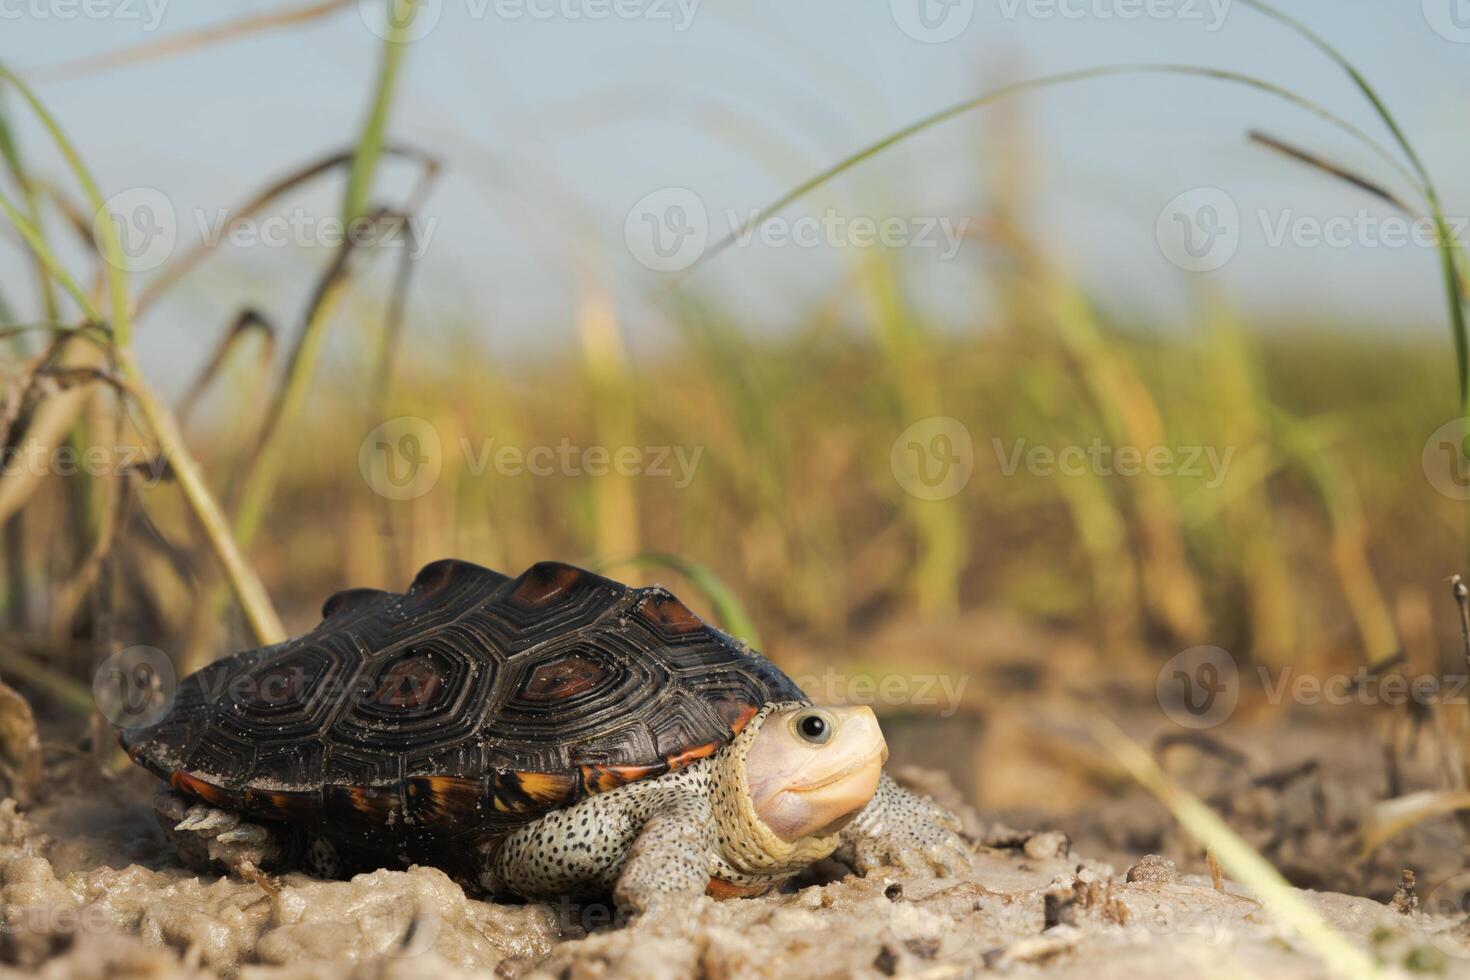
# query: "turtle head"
(811, 769)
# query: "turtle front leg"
(205, 835)
(667, 868)
(904, 830)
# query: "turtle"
(553, 734)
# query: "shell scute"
(549, 583)
(354, 602)
(667, 614)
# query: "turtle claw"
(207, 819)
(948, 856)
(952, 859)
(911, 833)
(170, 807)
(248, 834)
(207, 837)
(945, 859)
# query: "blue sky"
(553, 122)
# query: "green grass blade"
(1362, 83)
(112, 253)
(9, 150)
(370, 143)
(1447, 244)
(43, 253)
(1051, 81)
(727, 608)
(10, 153)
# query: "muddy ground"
(90, 889)
(1105, 885)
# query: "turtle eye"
(815, 727)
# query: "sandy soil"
(90, 890)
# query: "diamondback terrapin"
(552, 734)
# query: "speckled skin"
(695, 830)
(904, 830)
(673, 834)
(691, 831)
(585, 848)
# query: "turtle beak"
(800, 789)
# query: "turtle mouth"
(826, 805)
(858, 767)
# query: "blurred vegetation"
(1322, 522)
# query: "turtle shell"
(463, 708)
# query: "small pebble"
(1154, 867)
(1047, 845)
